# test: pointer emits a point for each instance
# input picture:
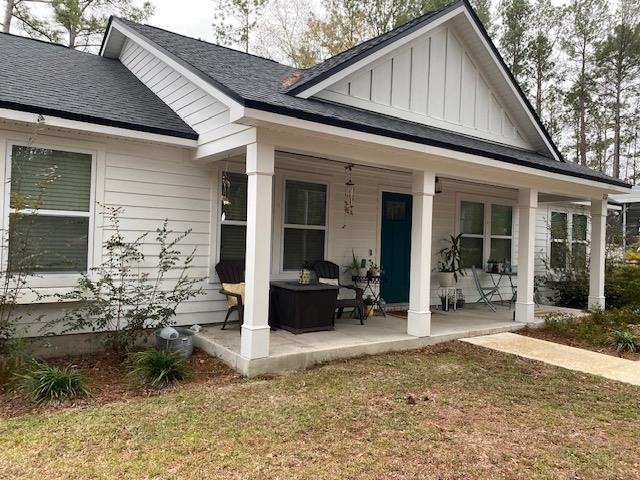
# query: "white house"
(441, 139)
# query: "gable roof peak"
(321, 71)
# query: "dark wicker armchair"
(231, 273)
(329, 270)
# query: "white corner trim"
(58, 122)
(378, 54)
(235, 107)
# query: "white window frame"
(53, 278)
(324, 227)
(569, 241)
(487, 235)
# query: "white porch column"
(254, 342)
(527, 206)
(419, 316)
(596, 259)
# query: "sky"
(188, 17)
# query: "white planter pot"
(446, 279)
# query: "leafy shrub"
(624, 341)
(120, 298)
(622, 286)
(44, 383)
(157, 368)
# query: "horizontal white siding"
(197, 108)
(433, 80)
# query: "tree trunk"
(72, 39)
(8, 15)
(616, 135)
(539, 92)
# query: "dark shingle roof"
(257, 83)
(41, 77)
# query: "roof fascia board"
(254, 115)
(513, 86)
(220, 92)
(395, 43)
(59, 122)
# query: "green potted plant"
(354, 267)
(375, 270)
(368, 306)
(450, 264)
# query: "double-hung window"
(568, 240)
(49, 210)
(487, 232)
(305, 223)
(233, 231)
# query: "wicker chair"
(232, 273)
(330, 271)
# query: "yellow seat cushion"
(234, 288)
(329, 281)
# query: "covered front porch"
(350, 339)
(279, 167)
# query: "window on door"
(305, 223)
(487, 232)
(568, 240)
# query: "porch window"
(568, 240)
(49, 210)
(305, 208)
(233, 230)
(485, 239)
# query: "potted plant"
(375, 270)
(354, 267)
(450, 264)
(368, 306)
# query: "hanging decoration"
(225, 198)
(349, 191)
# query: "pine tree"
(515, 36)
(236, 20)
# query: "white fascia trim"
(253, 116)
(58, 122)
(378, 54)
(236, 108)
(513, 88)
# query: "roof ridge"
(46, 42)
(201, 41)
(391, 33)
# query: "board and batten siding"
(198, 109)
(432, 80)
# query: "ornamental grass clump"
(624, 341)
(157, 368)
(44, 383)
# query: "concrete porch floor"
(350, 339)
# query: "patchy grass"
(595, 331)
(452, 411)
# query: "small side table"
(368, 283)
(448, 293)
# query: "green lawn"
(471, 414)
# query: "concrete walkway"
(563, 356)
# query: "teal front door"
(395, 249)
